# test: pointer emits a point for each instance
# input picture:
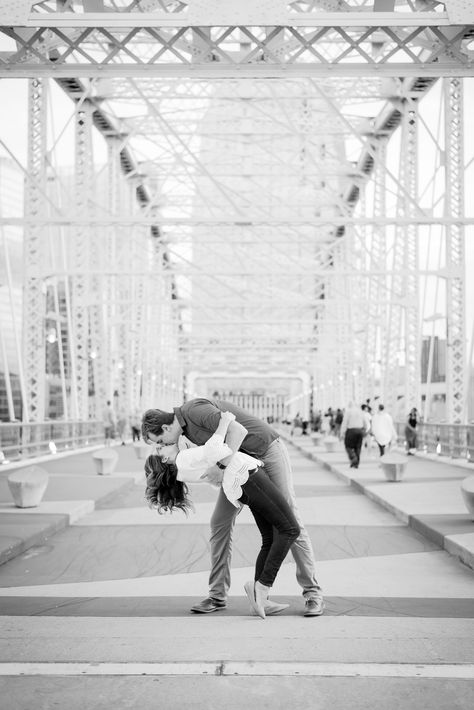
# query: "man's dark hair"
(153, 420)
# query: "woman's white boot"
(257, 595)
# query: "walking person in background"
(353, 428)
(316, 421)
(108, 419)
(339, 416)
(326, 423)
(197, 420)
(367, 440)
(245, 483)
(135, 424)
(383, 429)
(331, 421)
(297, 424)
(410, 431)
(121, 426)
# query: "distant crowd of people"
(356, 425)
(119, 425)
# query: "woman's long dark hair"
(163, 491)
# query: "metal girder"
(34, 336)
(345, 49)
(82, 244)
(455, 254)
(248, 182)
(142, 221)
(402, 344)
(377, 296)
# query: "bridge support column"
(456, 389)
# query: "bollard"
(316, 437)
(105, 461)
(393, 466)
(330, 443)
(27, 486)
(467, 490)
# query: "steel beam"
(34, 251)
(128, 20)
(330, 50)
(455, 254)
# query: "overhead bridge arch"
(252, 187)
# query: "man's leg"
(359, 438)
(222, 523)
(278, 468)
(350, 443)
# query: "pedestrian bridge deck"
(109, 595)
(428, 498)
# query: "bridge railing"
(454, 440)
(21, 441)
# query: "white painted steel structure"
(251, 216)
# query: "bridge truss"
(262, 207)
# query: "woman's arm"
(233, 432)
(206, 455)
(223, 426)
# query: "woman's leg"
(266, 532)
(276, 522)
(278, 469)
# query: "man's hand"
(227, 417)
(214, 476)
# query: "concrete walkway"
(74, 490)
(428, 498)
(97, 615)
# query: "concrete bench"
(142, 450)
(330, 443)
(105, 461)
(27, 486)
(467, 490)
(394, 466)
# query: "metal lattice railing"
(21, 441)
(454, 440)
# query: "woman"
(410, 431)
(243, 483)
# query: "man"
(197, 420)
(353, 428)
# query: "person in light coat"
(383, 429)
